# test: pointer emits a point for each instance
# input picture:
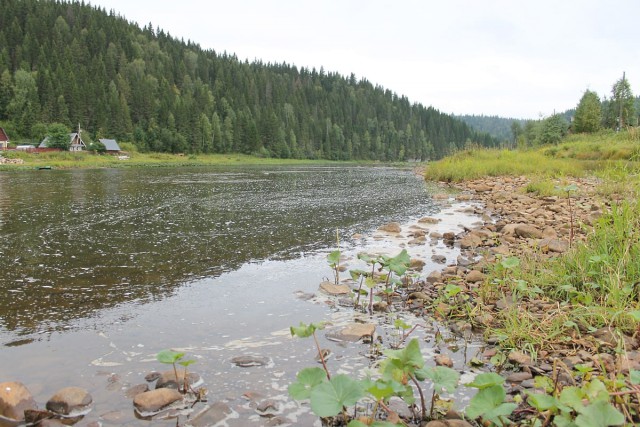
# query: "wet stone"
(135, 390)
(15, 398)
(213, 415)
(156, 400)
(440, 259)
(51, 423)
(152, 376)
(333, 289)
(392, 227)
(69, 401)
(353, 332)
(168, 379)
(249, 361)
(268, 408)
(428, 220)
(34, 416)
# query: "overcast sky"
(520, 59)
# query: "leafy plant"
(173, 357)
(489, 403)
(334, 262)
(305, 331)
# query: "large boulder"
(70, 401)
(15, 398)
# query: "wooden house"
(4, 139)
(76, 143)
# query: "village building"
(111, 145)
(77, 144)
(4, 139)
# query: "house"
(4, 139)
(111, 145)
(77, 144)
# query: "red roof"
(3, 135)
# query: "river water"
(102, 269)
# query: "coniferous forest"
(75, 64)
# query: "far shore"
(15, 161)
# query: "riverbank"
(15, 160)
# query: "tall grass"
(473, 164)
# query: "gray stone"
(440, 259)
(213, 415)
(268, 408)
(155, 400)
(15, 398)
(248, 361)
(69, 401)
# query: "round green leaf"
(169, 356)
(328, 398)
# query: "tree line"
(75, 64)
(591, 114)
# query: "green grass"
(595, 285)
(474, 164)
(67, 160)
(576, 156)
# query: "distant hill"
(76, 64)
(497, 127)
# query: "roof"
(72, 136)
(110, 144)
(3, 135)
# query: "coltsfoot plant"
(172, 357)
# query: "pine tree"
(588, 113)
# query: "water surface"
(102, 269)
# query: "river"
(102, 269)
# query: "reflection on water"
(77, 242)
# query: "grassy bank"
(596, 283)
(86, 160)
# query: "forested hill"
(76, 64)
(498, 127)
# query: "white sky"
(517, 58)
